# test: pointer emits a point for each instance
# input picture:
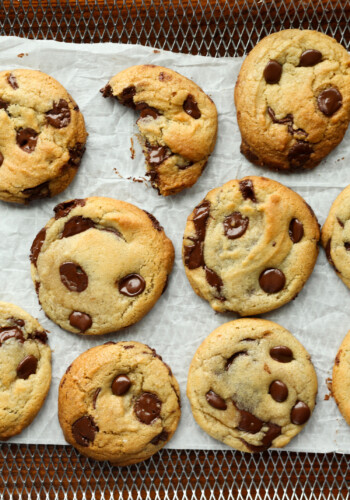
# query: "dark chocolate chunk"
(107, 91)
(213, 279)
(193, 255)
(216, 401)
(95, 396)
(41, 336)
(282, 354)
(287, 120)
(27, 367)
(347, 245)
(3, 104)
(26, 139)
(296, 230)
(247, 189)
(231, 359)
(155, 223)
(272, 72)
(127, 96)
(12, 81)
(163, 436)
(329, 101)
(300, 413)
(59, 115)
(235, 225)
(63, 209)
(84, 430)
(38, 192)
(248, 422)
(157, 154)
(75, 154)
(73, 277)
(299, 154)
(273, 431)
(328, 253)
(80, 320)
(76, 225)
(310, 58)
(1, 159)
(200, 218)
(120, 385)
(272, 280)
(278, 390)
(131, 285)
(11, 332)
(146, 110)
(147, 407)
(36, 245)
(190, 106)
(19, 322)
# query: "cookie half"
(250, 246)
(25, 375)
(42, 136)
(119, 402)
(341, 378)
(292, 99)
(100, 265)
(335, 236)
(177, 123)
(252, 385)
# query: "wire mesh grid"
(213, 28)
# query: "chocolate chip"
(80, 320)
(287, 120)
(11, 332)
(12, 81)
(19, 322)
(190, 106)
(157, 154)
(95, 396)
(1, 159)
(328, 253)
(299, 154)
(127, 96)
(41, 336)
(37, 192)
(3, 104)
(73, 277)
(215, 400)
(249, 423)
(163, 436)
(272, 280)
(193, 254)
(127, 346)
(341, 223)
(107, 91)
(131, 285)
(247, 189)
(36, 245)
(147, 408)
(63, 209)
(59, 115)
(282, 354)
(84, 430)
(235, 225)
(310, 58)
(300, 413)
(347, 245)
(76, 225)
(213, 279)
(26, 139)
(154, 221)
(279, 391)
(120, 385)
(272, 72)
(273, 431)
(146, 110)
(27, 367)
(296, 230)
(329, 101)
(231, 359)
(76, 154)
(200, 218)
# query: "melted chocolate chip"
(26, 139)
(84, 430)
(120, 385)
(127, 96)
(154, 221)
(310, 58)
(273, 431)
(11, 332)
(328, 253)
(1, 159)
(73, 277)
(193, 255)
(282, 354)
(36, 245)
(272, 280)
(3, 104)
(235, 225)
(347, 245)
(213, 279)
(300, 413)
(157, 154)
(329, 101)
(147, 110)
(80, 320)
(131, 285)
(75, 154)
(59, 115)
(38, 192)
(296, 230)
(107, 91)
(76, 225)
(190, 106)
(299, 154)
(95, 396)
(216, 401)
(41, 336)
(12, 81)
(278, 390)
(27, 367)
(147, 408)
(247, 189)
(163, 436)
(249, 423)
(63, 209)
(231, 359)
(272, 72)
(287, 120)
(19, 322)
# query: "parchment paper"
(180, 321)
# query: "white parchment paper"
(180, 321)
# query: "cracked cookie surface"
(250, 246)
(100, 265)
(341, 378)
(252, 385)
(177, 123)
(42, 136)
(292, 99)
(119, 402)
(25, 376)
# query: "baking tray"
(215, 28)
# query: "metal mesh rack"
(215, 28)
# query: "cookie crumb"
(21, 55)
(132, 149)
(329, 387)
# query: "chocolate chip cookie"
(293, 99)
(100, 265)
(341, 378)
(25, 375)
(178, 123)
(42, 136)
(119, 402)
(252, 385)
(336, 236)
(250, 246)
